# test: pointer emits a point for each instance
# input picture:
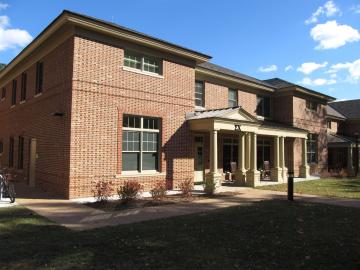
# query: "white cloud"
(288, 68)
(329, 9)
(353, 69)
(12, 37)
(270, 68)
(317, 82)
(3, 6)
(308, 68)
(356, 9)
(332, 35)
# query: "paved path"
(79, 217)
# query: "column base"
(304, 171)
(351, 171)
(276, 174)
(252, 178)
(285, 174)
(240, 177)
(216, 177)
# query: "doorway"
(230, 153)
(199, 159)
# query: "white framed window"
(199, 94)
(311, 105)
(232, 97)
(263, 106)
(312, 148)
(140, 144)
(142, 63)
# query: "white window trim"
(138, 71)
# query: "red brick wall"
(34, 119)
(248, 102)
(102, 93)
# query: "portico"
(237, 123)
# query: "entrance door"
(263, 153)
(230, 153)
(199, 159)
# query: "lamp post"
(291, 186)
(357, 153)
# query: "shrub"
(209, 186)
(129, 191)
(103, 190)
(158, 192)
(186, 187)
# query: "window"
(23, 86)
(39, 77)
(199, 94)
(3, 93)
(1, 147)
(311, 105)
(329, 124)
(140, 143)
(312, 148)
(263, 106)
(13, 96)
(11, 152)
(233, 97)
(21, 153)
(142, 62)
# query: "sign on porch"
(237, 127)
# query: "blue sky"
(309, 42)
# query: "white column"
(214, 158)
(253, 175)
(276, 172)
(247, 150)
(304, 168)
(282, 159)
(350, 167)
(241, 171)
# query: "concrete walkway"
(76, 216)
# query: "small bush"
(129, 191)
(209, 186)
(103, 190)
(158, 192)
(186, 187)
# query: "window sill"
(143, 72)
(38, 95)
(137, 174)
(12, 106)
(22, 102)
(199, 108)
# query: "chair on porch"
(266, 170)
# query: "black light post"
(357, 153)
(291, 186)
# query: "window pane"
(232, 103)
(199, 94)
(259, 106)
(131, 141)
(130, 161)
(131, 121)
(150, 161)
(150, 123)
(150, 141)
(132, 60)
(151, 65)
(267, 107)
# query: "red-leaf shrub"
(186, 187)
(102, 190)
(158, 192)
(129, 191)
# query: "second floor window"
(199, 94)
(23, 86)
(39, 77)
(1, 147)
(142, 62)
(311, 105)
(312, 148)
(263, 106)
(3, 93)
(232, 97)
(13, 94)
(329, 124)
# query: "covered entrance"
(253, 153)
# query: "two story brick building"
(90, 100)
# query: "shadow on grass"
(261, 235)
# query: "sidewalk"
(76, 216)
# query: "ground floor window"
(140, 143)
(263, 154)
(312, 146)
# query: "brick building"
(89, 100)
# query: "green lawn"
(264, 235)
(328, 187)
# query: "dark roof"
(280, 84)
(337, 139)
(233, 73)
(349, 108)
(132, 31)
(332, 113)
(272, 124)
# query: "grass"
(263, 235)
(328, 187)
